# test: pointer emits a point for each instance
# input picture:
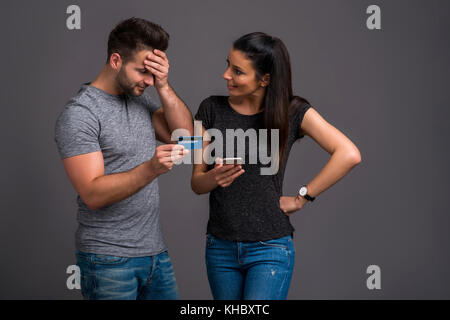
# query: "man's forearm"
(176, 112)
(109, 189)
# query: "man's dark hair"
(135, 34)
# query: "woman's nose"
(227, 75)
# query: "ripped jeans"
(259, 270)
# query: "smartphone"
(233, 160)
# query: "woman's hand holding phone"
(224, 174)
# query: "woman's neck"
(250, 104)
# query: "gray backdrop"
(385, 89)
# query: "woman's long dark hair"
(269, 55)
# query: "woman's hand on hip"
(291, 204)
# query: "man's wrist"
(149, 172)
(163, 88)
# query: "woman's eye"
(237, 72)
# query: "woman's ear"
(265, 80)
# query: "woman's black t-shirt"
(249, 208)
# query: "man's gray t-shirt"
(121, 128)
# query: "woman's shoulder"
(209, 108)
(215, 100)
(298, 107)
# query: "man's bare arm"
(97, 190)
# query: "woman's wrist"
(300, 201)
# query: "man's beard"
(125, 84)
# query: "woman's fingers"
(227, 181)
(227, 172)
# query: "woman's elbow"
(194, 188)
(355, 157)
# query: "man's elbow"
(92, 205)
(91, 202)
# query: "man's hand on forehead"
(157, 57)
(158, 64)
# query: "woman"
(249, 250)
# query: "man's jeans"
(259, 270)
(105, 277)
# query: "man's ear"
(115, 61)
(265, 80)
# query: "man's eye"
(143, 71)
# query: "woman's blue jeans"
(105, 277)
(259, 270)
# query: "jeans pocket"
(282, 243)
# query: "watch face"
(303, 191)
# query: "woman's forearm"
(203, 182)
(340, 163)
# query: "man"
(106, 138)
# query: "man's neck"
(106, 81)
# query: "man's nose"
(149, 80)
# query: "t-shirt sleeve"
(298, 118)
(151, 104)
(205, 114)
(76, 131)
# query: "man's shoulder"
(147, 101)
(82, 98)
(81, 107)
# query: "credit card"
(191, 142)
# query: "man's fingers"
(174, 152)
(170, 146)
(170, 159)
(158, 74)
(160, 55)
(158, 59)
(156, 66)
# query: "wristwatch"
(304, 193)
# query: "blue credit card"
(191, 142)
